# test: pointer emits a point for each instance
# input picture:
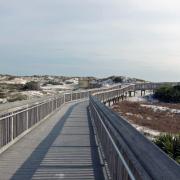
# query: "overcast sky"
(137, 38)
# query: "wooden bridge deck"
(62, 147)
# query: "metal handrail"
(17, 122)
(139, 164)
(24, 108)
(116, 147)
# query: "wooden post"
(122, 97)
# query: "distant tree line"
(168, 94)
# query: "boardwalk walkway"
(62, 147)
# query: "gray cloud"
(132, 37)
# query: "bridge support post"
(143, 92)
(114, 101)
(122, 97)
(125, 94)
(125, 97)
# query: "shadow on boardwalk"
(33, 163)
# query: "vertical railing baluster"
(27, 117)
(12, 127)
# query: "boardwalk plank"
(63, 147)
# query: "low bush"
(53, 83)
(2, 94)
(17, 97)
(170, 144)
(32, 85)
(117, 79)
(11, 78)
(69, 82)
(168, 94)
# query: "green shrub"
(11, 78)
(2, 94)
(170, 144)
(168, 93)
(69, 82)
(32, 85)
(117, 79)
(17, 97)
(53, 83)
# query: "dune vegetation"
(168, 94)
(170, 144)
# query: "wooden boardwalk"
(62, 147)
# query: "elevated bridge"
(75, 136)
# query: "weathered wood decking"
(62, 147)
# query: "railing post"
(64, 98)
(27, 117)
(37, 113)
(12, 127)
(52, 106)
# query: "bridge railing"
(19, 121)
(128, 153)
(110, 94)
(16, 123)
